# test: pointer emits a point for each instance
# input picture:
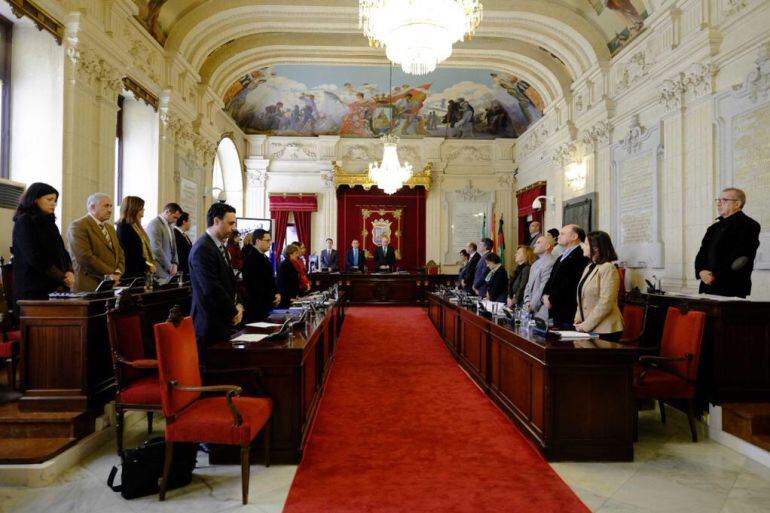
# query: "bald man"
(560, 292)
(538, 277)
(534, 232)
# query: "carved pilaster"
(597, 136)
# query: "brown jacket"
(599, 300)
(92, 256)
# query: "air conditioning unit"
(10, 192)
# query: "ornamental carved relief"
(469, 192)
(292, 151)
(565, 154)
(95, 71)
(632, 142)
(631, 72)
(696, 82)
(597, 136)
(758, 81)
(256, 177)
(359, 152)
(144, 59)
(734, 6)
(469, 154)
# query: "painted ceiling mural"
(353, 101)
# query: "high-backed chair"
(633, 323)
(136, 376)
(229, 420)
(10, 337)
(673, 374)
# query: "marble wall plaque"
(189, 201)
(465, 217)
(636, 223)
(743, 124)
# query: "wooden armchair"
(136, 376)
(10, 336)
(633, 323)
(673, 374)
(229, 420)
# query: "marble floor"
(669, 474)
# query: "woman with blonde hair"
(133, 238)
(524, 259)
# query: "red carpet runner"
(402, 429)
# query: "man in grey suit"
(538, 277)
(480, 274)
(163, 242)
(329, 257)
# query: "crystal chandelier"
(390, 175)
(418, 34)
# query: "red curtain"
(293, 202)
(302, 223)
(524, 199)
(281, 221)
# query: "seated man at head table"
(355, 260)
(385, 256)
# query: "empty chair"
(230, 420)
(10, 337)
(136, 376)
(633, 323)
(673, 374)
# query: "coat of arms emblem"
(380, 227)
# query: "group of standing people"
(97, 250)
(578, 290)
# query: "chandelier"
(418, 34)
(390, 175)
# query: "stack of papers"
(263, 325)
(576, 334)
(250, 337)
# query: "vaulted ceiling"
(548, 43)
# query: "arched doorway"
(227, 174)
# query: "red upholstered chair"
(229, 420)
(136, 376)
(10, 338)
(672, 375)
(633, 323)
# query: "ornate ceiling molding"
(340, 177)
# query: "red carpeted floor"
(402, 429)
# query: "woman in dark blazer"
(183, 242)
(133, 238)
(496, 279)
(524, 258)
(463, 268)
(288, 277)
(41, 264)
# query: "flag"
(501, 239)
(493, 235)
(484, 227)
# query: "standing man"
(538, 277)
(534, 232)
(163, 241)
(94, 245)
(560, 292)
(259, 283)
(329, 257)
(355, 260)
(470, 269)
(215, 306)
(726, 257)
(385, 256)
(480, 275)
(183, 242)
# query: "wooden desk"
(383, 289)
(65, 351)
(735, 356)
(574, 399)
(292, 372)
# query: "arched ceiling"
(548, 43)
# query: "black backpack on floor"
(142, 468)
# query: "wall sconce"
(219, 194)
(575, 176)
(537, 205)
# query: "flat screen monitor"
(248, 224)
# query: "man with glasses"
(259, 283)
(726, 257)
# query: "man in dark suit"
(329, 257)
(560, 292)
(259, 283)
(496, 281)
(215, 306)
(385, 256)
(183, 242)
(479, 276)
(355, 260)
(470, 268)
(726, 257)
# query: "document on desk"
(250, 337)
(263, 325)
(576, 334)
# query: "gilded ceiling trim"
(421, 179)
(140, 92)
(42, 20)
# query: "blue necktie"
(355, 257)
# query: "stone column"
(433, 249)
(328, 207)
(256, 187)
(504, 201)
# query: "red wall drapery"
(301, 206)
(524, 199)
(411, 225)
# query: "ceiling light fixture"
(418, 34)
